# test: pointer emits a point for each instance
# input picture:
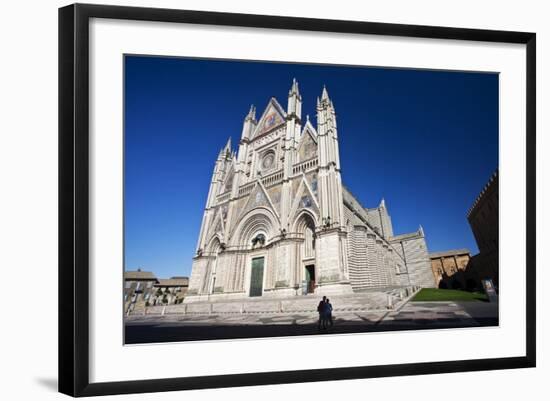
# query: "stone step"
(368, 300)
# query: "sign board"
(490, 290)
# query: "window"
(260, 238)
(268, 160)
(127, 284)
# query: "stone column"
(284, 279)
(331, 279)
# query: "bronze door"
(257, 277)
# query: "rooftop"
(139, 275)
(451, 252)
(173, 282)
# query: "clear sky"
(426, 141)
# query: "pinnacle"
(324, 96)
(294, 88)
(228, 145)
(251, 113)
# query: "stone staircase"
(366, 300)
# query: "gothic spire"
(249, 123)
(294, 89)
(251, 113)
(227, 148)
(324, 96)
(294, 108)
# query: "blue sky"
(426, 141)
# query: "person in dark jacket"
(322, 314)
(328, 309)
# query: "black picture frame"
(74, 198)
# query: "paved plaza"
(411, 316)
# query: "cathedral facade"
(278, 221)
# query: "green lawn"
(436, 294)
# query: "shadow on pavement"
(142, 333)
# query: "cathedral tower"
(332, 263)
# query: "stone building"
(170, 291)
(278, 221)
(449, 268)
(138, 287)
(483, 219)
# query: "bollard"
(390, 302)
(163, 310)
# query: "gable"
(258, 198)
(218, 223)
(273, 116)
(304, 199)
(228, 181)
(307, 148)
(275, 196)
(312, 180)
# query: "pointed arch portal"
(305, 225)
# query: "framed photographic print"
(297, 199)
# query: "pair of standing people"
(325, 313)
